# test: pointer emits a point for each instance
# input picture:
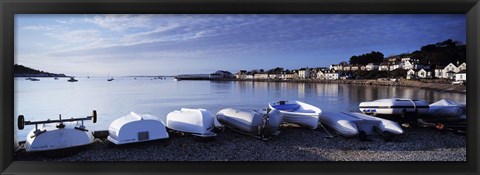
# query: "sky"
(171, 44)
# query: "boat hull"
(394, 106)
(199, 122)
(297, 112)
(57, 138)
(250, 122)
(134, 128)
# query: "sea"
(50, 98)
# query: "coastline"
(437, 85)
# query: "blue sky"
(98, 45)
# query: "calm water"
(48, 98)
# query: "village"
(390, 68)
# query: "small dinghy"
(63, 135)
(133, 128)
(349, 124)
(198, 122)
(251, 122)
(394, 106)
(445, 113)
(297, 112)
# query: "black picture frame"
(8, 8)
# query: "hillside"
(22, 71)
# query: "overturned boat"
(349, 124)
(445, 114)
(198, 122)
(251, 122)
(297, 112)
(60, 136)
(133, 128)
(394, 106)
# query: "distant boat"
(72, 80)
(55, 78)
(34, 79)
(110, 79)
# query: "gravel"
(294, 143)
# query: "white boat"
(297, 112)
(251, 122)
(198, 122)
(133, 128)
(394, 106)
(445, 114)
(447, 108)
(350, 124)
(59, 136)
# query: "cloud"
(121, 22)
(76, 36)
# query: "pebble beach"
(294, 143)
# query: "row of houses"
(388, 64)
(452, 71)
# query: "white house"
(410, 74)
(332, 75)
(384, 66)
(304, 73)
(371, 66)
(422, 73)
(274, 76)
(320, 75)
(260, 76)
(461, 76)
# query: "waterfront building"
(332, 75)
(448, 72)
(320, 75)
(304, 73)
(461, 76)
(371, 66)
(260, 76)
(241, 75)
(384, 66)
(274, 76)
(410, 74)
(423, 73)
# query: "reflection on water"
(48, 98)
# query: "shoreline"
(437, 85)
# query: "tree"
(364, 59)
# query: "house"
(407, 65)
(394, 65)
(384, 66)
(356, 67)
(336, 67)
(241, 75)
(249, 76)
(461, 76)
(371, 66)
(462, 66)
(320, 75)
(332, 75)
(423, 73)
(304, 73)
(448, 72)
(346, 68)
(274, 76)
(260, 76)
(411, 74)
(439, 71)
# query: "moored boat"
(72, 79)
(133, 128)
(63, 135)
(198, 122)
(394, 106)
(297, 112)
(251, 122)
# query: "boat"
(64, 135)
(72, 79)
(251, 122)
(55, 78)
(445, 114)
(133, 128)
(34, 79)
(297, 112)
(110, 79)
(198, 122)
(349, 124)
(394, 106)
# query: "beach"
(294, 143)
